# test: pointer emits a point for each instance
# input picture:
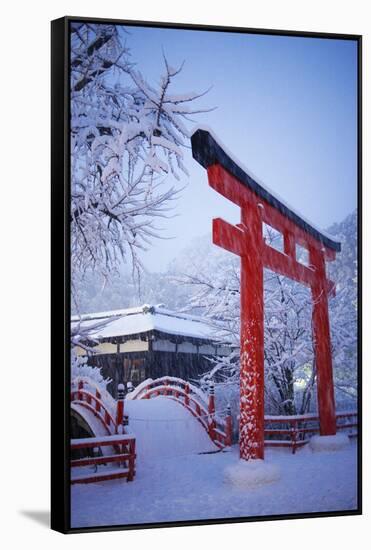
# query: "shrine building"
(131, 345)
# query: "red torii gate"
(259, 206)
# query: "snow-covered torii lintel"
(259, 205)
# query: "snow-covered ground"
(178, 484)
(164, 430)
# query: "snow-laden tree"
(344, 312)
(127, 142)
(81, 370)
(288, 348)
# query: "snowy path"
(193, 487)
(165, 429)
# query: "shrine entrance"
(259, 206)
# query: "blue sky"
(286, 107)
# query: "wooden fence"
(293, 431)
(123, 456)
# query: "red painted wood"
(297, 429)
(97, 401)
(228, 431)
(279, 431)
(252, 339)
(102, 477)
(107, 418)
(348, 425)
(225, 184)
(231, 188)
(186, 397)
(286, 266)
(211, 411)
(126, 452)
(294, 435)
(86, 398)
(322, 346)
(229, 236)
(119, 413)
(289, 244)
(108, 441)
(246, 240)
(346, 414)
(132, 445)
(285, 444)
(80, 387)
(99, 460)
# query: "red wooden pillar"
(322, 346)
(252, 339)
(258, 204)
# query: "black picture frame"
(60, 271)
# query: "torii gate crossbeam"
(259, 206)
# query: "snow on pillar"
(322, 346)
(252, 341)
(246, 240)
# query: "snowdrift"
(251, 474)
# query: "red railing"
(124, 457)
(202, 407)
(293, 430)
(93, 402)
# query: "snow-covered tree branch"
(127, 142)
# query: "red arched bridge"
(163, 418)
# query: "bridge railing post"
(294, 436)
(186, 397)
(211, 411)
(80, 387)
(228, 427)
(107, 418)
(131, 460)
(120, 407)
(98, 397)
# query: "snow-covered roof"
(146, 318)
